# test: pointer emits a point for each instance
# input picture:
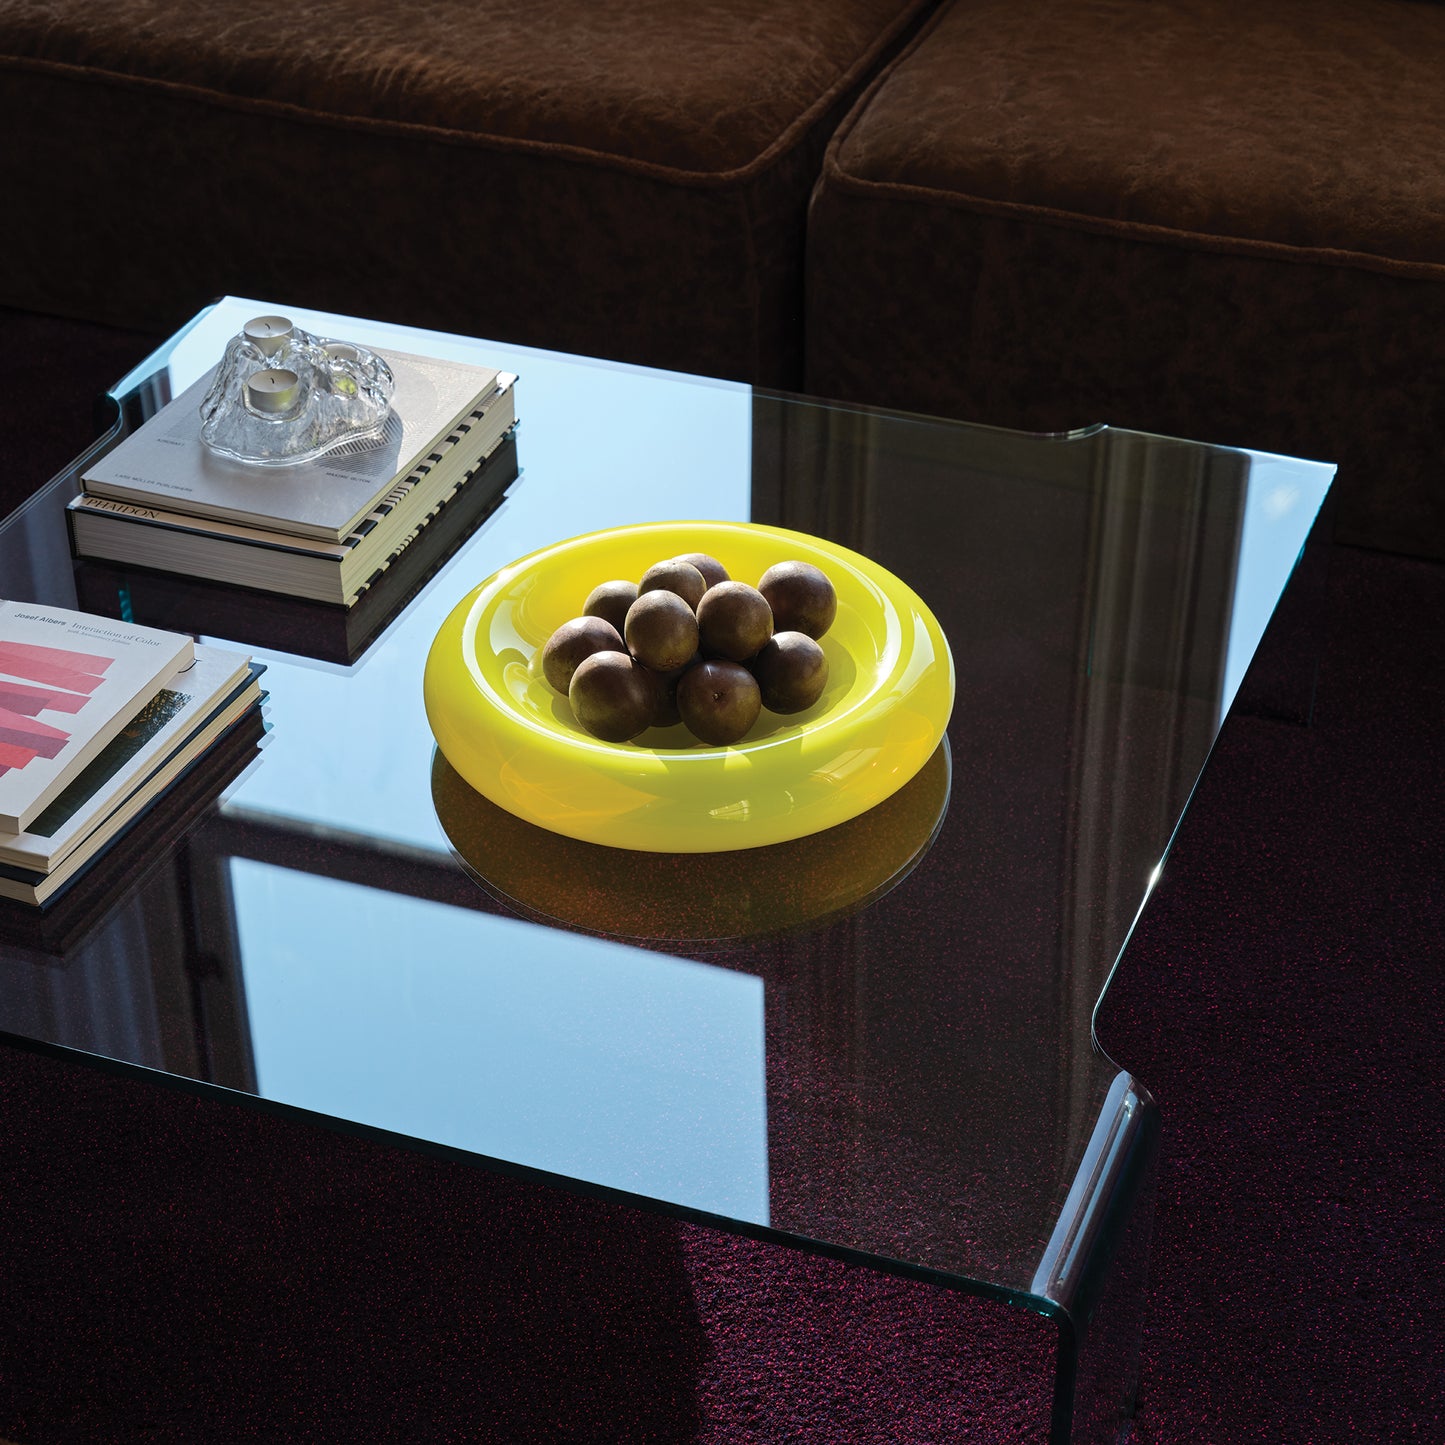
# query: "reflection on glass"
(577, 1056)
(693, 896)
(1278, 510)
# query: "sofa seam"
(776, 150)
(1145, 232)
(846, 126)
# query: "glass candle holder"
(281, 396)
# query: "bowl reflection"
(693, 896)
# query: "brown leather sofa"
(1199, 217)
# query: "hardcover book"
(293, 623)
(338, 573)
(69, 682)
(164, 464)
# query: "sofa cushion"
(1201, 218)
(626, 179)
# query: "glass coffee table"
(873, 1043)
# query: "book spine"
(413, 479)
(230, 532)
(421, 525)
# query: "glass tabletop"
(877, 1040)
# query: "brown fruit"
(613, 696)
(667, 713)
(661, 630)
(573, 642)
(712, 570)
(801, 596)
(792, 672)
(733, 620)
(719, 701)
(674, 576)
(610, 601)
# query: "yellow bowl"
(514, 739)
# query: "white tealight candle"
(342, 351)
(274, 390)
(268, 333)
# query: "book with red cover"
(69, 682)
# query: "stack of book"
(325, 530)
(272, 622)
(98, 720)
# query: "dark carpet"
(256, 1279)
(1284, 999)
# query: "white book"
(167, 722)
(69, 682)
(165, 464)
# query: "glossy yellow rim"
(500, 725)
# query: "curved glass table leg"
(1094, 1273)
